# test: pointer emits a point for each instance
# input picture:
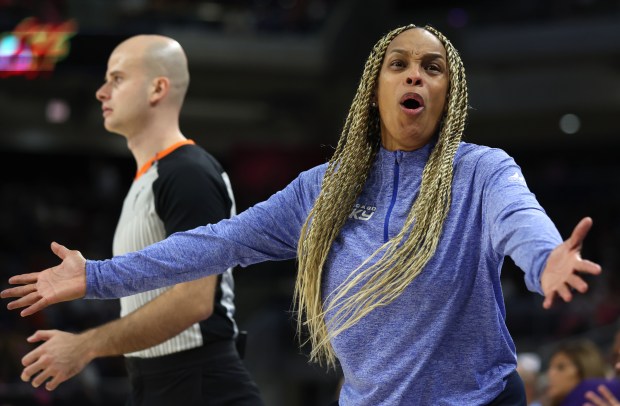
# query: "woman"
(576, 368)
(400, 241)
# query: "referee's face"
(124, 94)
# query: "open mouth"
(412, 102)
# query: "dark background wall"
(271, 85)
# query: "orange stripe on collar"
(160, 155)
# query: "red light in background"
(34, 48)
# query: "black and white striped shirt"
(184, 188)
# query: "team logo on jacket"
(517, 178)
(362, 212)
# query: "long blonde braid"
(404, 256)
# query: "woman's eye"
(397, 63)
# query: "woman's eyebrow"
(431, 54)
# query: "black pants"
(512, 395)
(209, 375)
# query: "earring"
(373, 104)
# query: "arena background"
(271, 82)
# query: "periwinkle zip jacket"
(444, 340)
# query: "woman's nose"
(414, 78)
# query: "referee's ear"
(160, 87)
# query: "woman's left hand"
(561, 273)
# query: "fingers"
(606, 399)
(577, 283)
(588, 267)
(563, 272)
(574, 282)
(34, 302)
(60, 250)
(38, 364)
(53, 384)
(39, 367)
(24, 279)
(41, 335)
(564, 292)
(580, 232)
(603, 390)
(548, 300)
(27, 361)
(41, 377)
(38, 306)
(44, 374)
(593, 397)
(19, 291)
(27, 300)
(34, 355)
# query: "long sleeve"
(519, 226)
(267, 231)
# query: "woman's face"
(412, 90)
(563, 377)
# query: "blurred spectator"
(575, 368)
(528, 368)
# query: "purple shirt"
(577, 397)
